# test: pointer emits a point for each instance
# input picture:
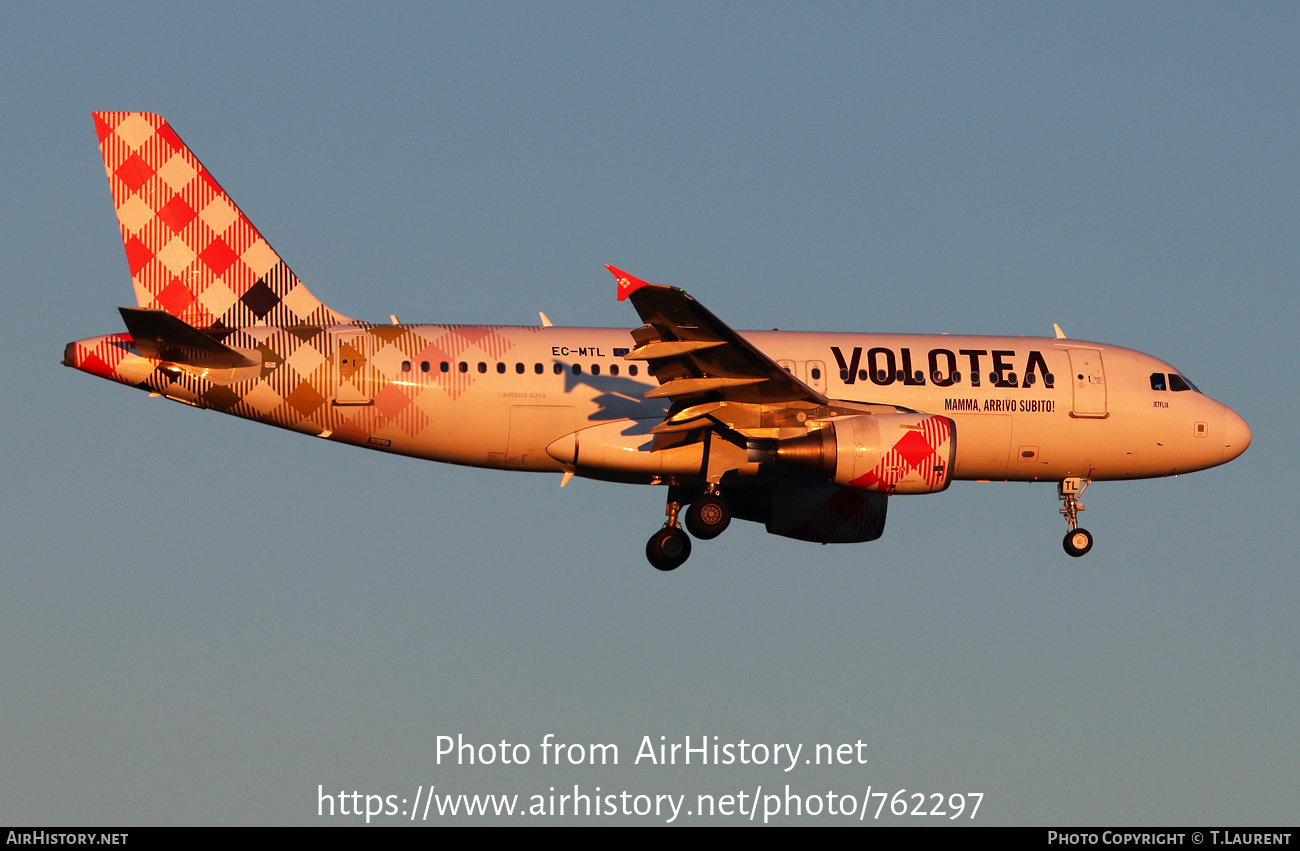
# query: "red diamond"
(304, 399)
(101, 127)
(175, 297)
(391, 400)
(133, 172)
(95, 366)
(218, 256)
(176, 214)
(220, 397)
(914, 448)
(169, 137)
(472, 334)
(138, 255)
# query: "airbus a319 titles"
(809, 434)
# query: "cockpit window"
(1158, 381)
(1177, 383)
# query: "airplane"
(809, 434)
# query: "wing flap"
(681, 387)
(670, 348)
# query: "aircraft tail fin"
(191, 251)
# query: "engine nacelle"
(823, 514)
(889, 453)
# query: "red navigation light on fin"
(627, 284)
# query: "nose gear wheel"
(1078, 541)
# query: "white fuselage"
(1100, 418)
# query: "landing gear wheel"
(708, 517)
(1077, 542)
(668, 548)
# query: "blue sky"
(203, 620)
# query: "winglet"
(627, 284)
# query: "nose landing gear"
(1078, 541)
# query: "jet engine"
(823, 514)
(888, 453)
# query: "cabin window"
(862, 375)
(537, 368)
(631, 370)
(1157, 381)
(613, 369)
(519, 369)
(844, 375)
(406, 366)
(482, 367)
(444, 366)
(559, 369)
(424, 366)
(577, 369)
(463, 367)
(595, 369)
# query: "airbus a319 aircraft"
(807, 433)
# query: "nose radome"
(1236, 435)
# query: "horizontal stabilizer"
(159, 335)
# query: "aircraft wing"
(697, 358)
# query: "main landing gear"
(707, 518)
(1077, 540)
(669, 548)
